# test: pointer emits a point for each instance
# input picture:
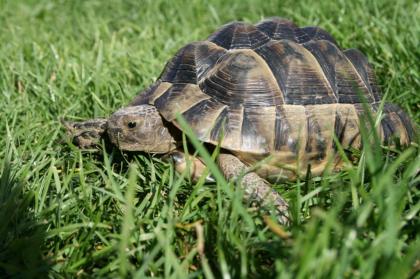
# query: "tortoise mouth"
(118, 138)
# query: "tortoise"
(271, 91)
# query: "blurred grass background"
(64, 213)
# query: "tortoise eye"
(131, 124)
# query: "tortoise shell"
(272, 88)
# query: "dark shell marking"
(273, 88)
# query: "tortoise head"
(139, 128)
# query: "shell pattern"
(272, 88)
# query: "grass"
(67, 213)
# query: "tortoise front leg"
(255, 188)
(86, 134)
(181, 163)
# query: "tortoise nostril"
(131, 124)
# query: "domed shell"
(264, 88)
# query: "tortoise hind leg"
(397, 125)
(255, 188)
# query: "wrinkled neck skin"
(86, 134)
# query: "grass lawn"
(66, 213)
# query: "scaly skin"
(182, 163)
(86, 134)
(255, 188)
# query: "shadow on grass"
(21, 235)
